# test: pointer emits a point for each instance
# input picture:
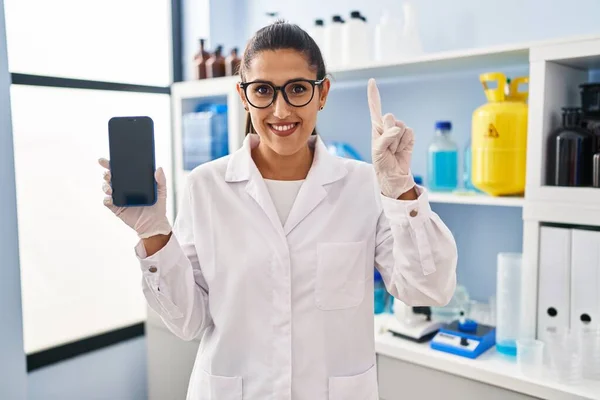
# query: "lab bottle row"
(353, 41)
(443, 161)
(573, 150)
(214, 64)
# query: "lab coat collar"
(326, 169)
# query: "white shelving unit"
(556, 69)
(475, 199)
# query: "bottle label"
(492, 132)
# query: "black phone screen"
(132, 165)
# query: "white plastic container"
(317, 32)
(508, 302)
(411, 40)
(388, 34)
(356, 44)
(333, 42)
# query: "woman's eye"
(298, 89)
(262, 90)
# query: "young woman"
(271, 257)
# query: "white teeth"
(283, 128)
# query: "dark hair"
(281, 35)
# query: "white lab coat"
(286, 312)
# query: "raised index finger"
(374, 100)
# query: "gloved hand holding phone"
(147, 221)
(392, 145)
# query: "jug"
(570, 152)
(499, 137)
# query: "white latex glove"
(147, 221)
(391, 147)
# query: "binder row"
(569, 280)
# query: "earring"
(246, 108)
(321, 109)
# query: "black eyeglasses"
(297, 92)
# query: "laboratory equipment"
(530, 357)
(590, 106)
(333, 42)
(356, 44)
(596, 171)
(205, 135)
(467, 168)
(387, 38)
(342, 149)
(200, 60)
(442, 167)
(413, 323)
(410, 42)
(317, 32)
(215, 65)
(458, 307)
(571, 151)
(565, 356)
(499, 137)
(508, 302)
(232, 63)
(465, 338)
(382, 297)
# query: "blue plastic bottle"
(442, 166)
(381, 294)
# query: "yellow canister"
(499, 137)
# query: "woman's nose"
(281, 109)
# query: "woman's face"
(285, 129)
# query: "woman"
(271, 257)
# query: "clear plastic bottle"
(467, 180)
(442, 166)
(508, 302)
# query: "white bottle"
(318, 34)
(411, 41)
(333, 43)
(387, 38)
(356, 43)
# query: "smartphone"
(132, 161)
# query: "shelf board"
(441, 62)
(475, 199)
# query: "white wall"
(12, 355)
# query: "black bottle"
(570, 152)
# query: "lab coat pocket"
(340, 280)
(213, 387)
(356, 387)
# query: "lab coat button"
(413, 213)
(153, 269)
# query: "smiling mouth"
(284, 129)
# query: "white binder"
(554, 283)
(585, 278)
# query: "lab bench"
(409, 370)
(406, 371)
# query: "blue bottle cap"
(444, 125)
